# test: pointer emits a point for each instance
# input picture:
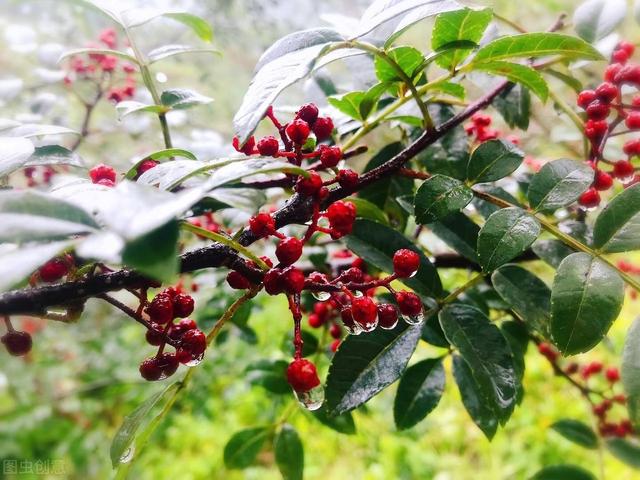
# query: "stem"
(477, 278)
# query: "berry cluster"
(39, 175)
(606, 110)
(189, 342)
(588, 377)
(112, 77)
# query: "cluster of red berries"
(102, 69)
(189, 341)
(587, 372)
(206, 222)
(606, 110)
(41, 175)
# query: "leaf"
(14, 153)
(156, 253)
(243, 447)
(181, 98)
(515, 107)
(526, 45)
(450, 154)
(563, 472)
(135, 17)
(558, 184)
(368, 210)
(27, 216)
(505, 235)
(128, 107)
(577, 432)
(366, 364)
(517, 73)
(458, 25)
(17, 263)
(493, 160)
(289, 453)
(54, 155)
(617, 228)
(486, 352)
(586, 298)
(631, 371)
(419, 392)
(342, 423)
(472, 398)
(349, 104)
(526, 294)
(168, 153)
(288, 60)
(551, 251)
(103, 6)
(460, 233)
(98, 51)
(167, 51)
(123, 440)
(376, 244)
(440, 196)
(595, 19)
(407, 58)
(626, 451)
(269, 374)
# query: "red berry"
(330, 156)
(150, 369)
(321, 309)
(160, 310)
(298, 131)
(323, 128)
(289, 250)
(262, 225)
(335, 331)
(598, 110)
(347, 318)
(633, 121)
(628, 74)
(183, 305)
(481, 119)
(17, 343)
(632, 147)
(387, 315)
(585, 98)
(572, 368)
(308, 112)
(623, 169)
(155, 335)
(405, 263)
(102, 172)
(595, 129)
(145, 166)
(612, 374)
(626, 46)
(292, 280)
(607, 92)
(309, 186)
(335, 344)
(273, 283)
(348, 179)
(53, 270)
(602, 181)
(409, 303)
(268, 146)
(611, 71)
(315, 321)
(620, 56)
(105, 182)
(194, 342)
(620, 398)
(364, 312)
(302, 375)
(341, 216)
(168, 363)
(548, 351)
(177, 330)
(237, 281)
(595, 367)
(590, 198)
(247, 148)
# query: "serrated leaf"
(289, 453)
(505, 235)
(376, 244)
(563, 472)
(627, 451)
(14, 153)
(577, 432)
(128, 107)
(558, 184)
(631, 371)
(595, 19)
(98, 51)
(243, 447)
(493, 160)
(517, 73)
(460, 233)
(167, 51)
(440, 196)
(342, 423)
(617, 228)
(455, 26)
(419, 392)
(407, 58)
(586, 298)
(181, 98)
(515, 107)
(366, 364)
(487, 353)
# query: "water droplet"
(414, 319)
(127, 455)
(353, 329)
(312, 399)
(358, 294)
(413, 274)
(195, 361)
(369, 327)
(321, 296)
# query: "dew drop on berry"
(358, 294)
(311, 399)
(353, 329)
(127, 455)
(393, 325)
(194, 361)
(414, 319)
(321, 296)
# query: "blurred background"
(63, 403)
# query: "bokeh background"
(65, 401)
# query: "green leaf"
(473, 399)
(486, 352)
(595, 19)
(54, 155)
(128, 107)
(505, 235)
(407, 58)
(370, 100)
(366, 209)
(493, 160)
(460, 233)
(517, 73)
(563, 472)
(366, 364)
(440, 196)
(14, 153)
(289, 453)
(450, 154)
(28, 216)
(122, 442)
(160, 155)
(101, 6)
(617, 228)
(586, 298)
(419, 392)
(631, 371)
(458, 25)
(526, 294)
(167, 51)
(156, 253)
(515, 107)
(577, 432)
(349, 104)
(526, 45)
(243, 447)
(342, 423)
(269, 374)
(99, 51)
(198, 25)
(558, 184)
(377, 244)
(551, 251)
(136, 17)
(181, 98)
(449, 88)
(626, 451)
(27, 130)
